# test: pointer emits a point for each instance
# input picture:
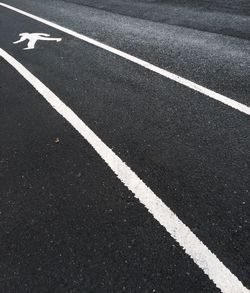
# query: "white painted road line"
(194, 86)
(201, 255)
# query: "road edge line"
(222, 277)
(181, 80)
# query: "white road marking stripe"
(223, 99)
(201, 255)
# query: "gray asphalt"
(67, 224)
(228, 17)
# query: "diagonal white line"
(201, 255)
(192, 85)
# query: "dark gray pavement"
(68, 225)
(228, 17)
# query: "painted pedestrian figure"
(33, 38)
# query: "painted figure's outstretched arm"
(20, 40)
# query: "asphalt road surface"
(145, 186)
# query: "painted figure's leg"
(31, 45)
(43, 35)
(51, 39)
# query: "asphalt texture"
(67, 223)
(228, 17)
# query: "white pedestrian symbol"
(33, 38)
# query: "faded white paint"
(201, 255)
(32, 38)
